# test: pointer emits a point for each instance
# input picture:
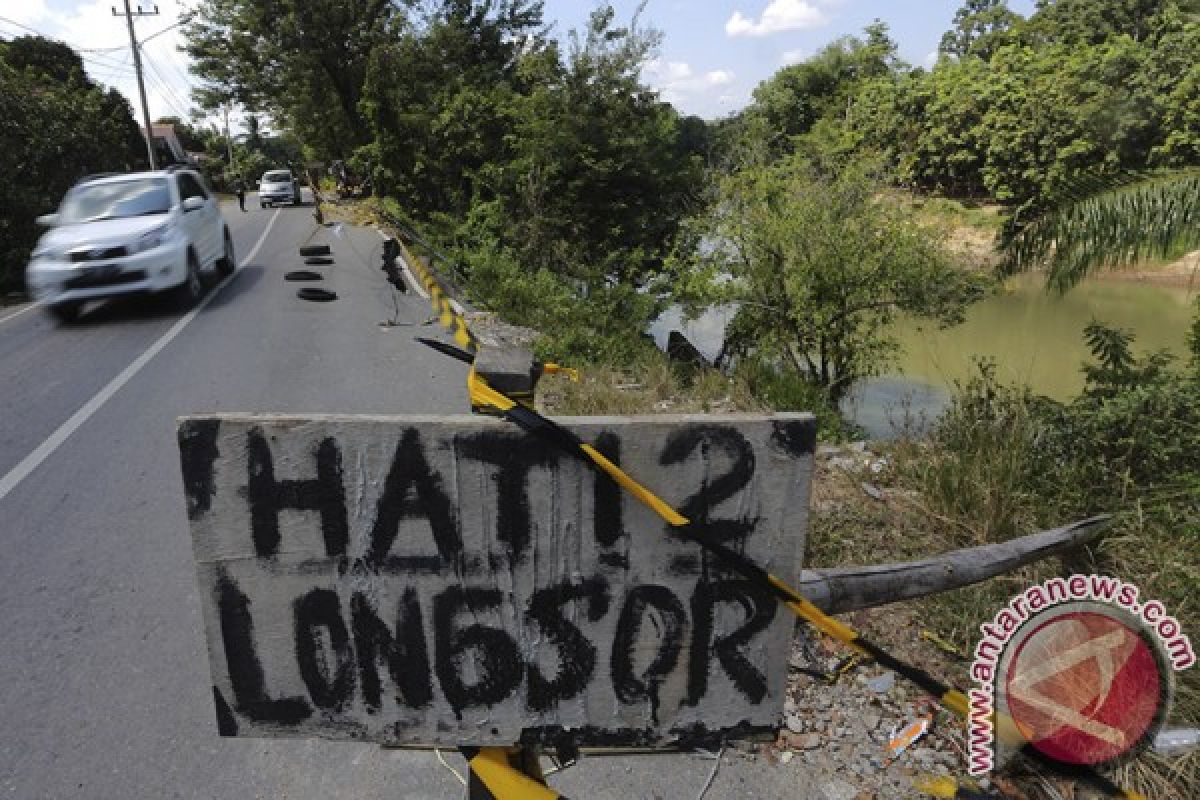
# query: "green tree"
(436, 100)
(570, 228)
(55, 126)
(951, 146)
(980, 28)
(1094, 21)
(814, 107)
(820, 267)
(302, 61)
(602, 171)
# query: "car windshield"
(277, 177)
(115, 200)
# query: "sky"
(713, 52)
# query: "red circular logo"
(1084, 687)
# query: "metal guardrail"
(457, 275)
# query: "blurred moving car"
(129, 233)
(278, 186)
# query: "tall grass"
(1003, 462)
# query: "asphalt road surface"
(105, 690)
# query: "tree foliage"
(980, 28)
(1015, 108)
(1107, 223)
(303, 61)
(55, 126)
(820, 267)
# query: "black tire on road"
(315, 250)
(65, 313)
(316, 295)
(227, 263)
(188, 293)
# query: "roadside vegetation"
(855, 187)
(56, 125)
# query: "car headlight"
(151, 239)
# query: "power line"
(164, 85)
(31, 30)
(184, 19)
(156, 84)
(94, 55)
(89, 57)
(183, 76)
(122, 70)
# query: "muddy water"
(1035, 337)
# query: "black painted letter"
(498, 662)
(410, 471)
(515, 460)
(329, 676)
(680, 446)
(245, 670)
(405, 654)
(758, 606)
(267, 496)
(576, 655)
(197, 453)
(671, 621)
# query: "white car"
(129, 233)
(278, 186)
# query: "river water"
(1034, 336)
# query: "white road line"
(16, 314)
(32, 461)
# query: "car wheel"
(188, 293)
(261, 204)
(226, 263)
(65, 313)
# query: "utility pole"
(137, 65)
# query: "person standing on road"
(239, 188)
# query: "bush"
(1002, 462)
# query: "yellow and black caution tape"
(942, 644)
(945, 786)
(484, 396)
(447, 316)
(507, 773)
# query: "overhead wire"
(168, 92)
(98, 60)
(102, 58)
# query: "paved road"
(105, 691)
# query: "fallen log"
(852, 588)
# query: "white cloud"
(665, 73)
(778, 16)
(931, 59)
(676, 79)
(790, 57)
